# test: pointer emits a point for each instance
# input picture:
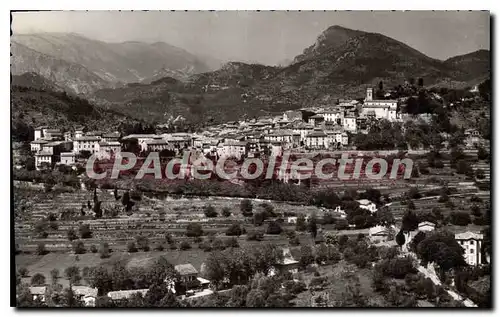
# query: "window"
(471, 250)
(472, 243)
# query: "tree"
(210, 211)
(246, 207)
(93, 248)
(72, 273)
(79, 247)
(442, 248)
(40, 249)
(84, 231)
(226, 212)
(301, 225)
(194, 230)
(142, 243)
(421, 82)
(400, 238)
(409, 221)
(274, 228)
(23, 271)
(101, 279)
(131, 248)
(235, 230)
(104, 250)
(312, 226)
(185, 245)
(306, 256)
(71, 234)
(38, 279)
(460, 218)
(256, 298)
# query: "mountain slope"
(33, 107)
(111, 62)
(341, 64)
(72, 77)
(475, 64)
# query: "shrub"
(72, 273)
(40, 249)
(232, 243)
(194, 230)
(72, 235)
(79, 247)
(274, 228)
(459, 218)
(104, 250)
(84, 231)
(246, 207)
(210, 212)
(255, 236)
(23, 271)
(235, 230)
(226, 212)
(185, 245)
(341, 224)
(159, 247)
(131, 247)
(38, 279)
(142, 243)
(93, 249)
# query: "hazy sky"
(265, 37)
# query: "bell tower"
(369, 94)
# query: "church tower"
(369, 94)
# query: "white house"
(350, 123)
(368, 205)
(86, 143)
(43, 158)
(68, 158)
(426, 226)
(37, 145)
(471, 242)
(378, 234)
(317, 139)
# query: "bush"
(274, 228)
(459, 218)
(226, 212)
(159, 247)
(294, 241)
(38, 279)
(255, 236)
(131, 247)
(341, 224)
(84, 231)
(232, 243)
(185, 245)
(79, 247)
(104, 250)
(93, 249)
(23, 271)
(210, 212)
(142, 243)
(235, 230)
(72, 235)
(40, 249)
(246, 207)
(194, 230)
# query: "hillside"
(70, 76)
(35, 81)
(33, 107)
(342, 63)
(99, 64)
(476, 64)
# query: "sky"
(267, 37)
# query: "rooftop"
(43, 153)
(38, 290)
(185, 269)
(87, 138)
(126, 294)
(468, 236)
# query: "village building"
(86, 143)
(68, 158)
(426, 226)
(110, 137)
(87, 295)
(37, 144)
(334, 116)
(39, 132)
(289, 264)
(368, 205)
(292, 115)
(126, 294)
(236, 149)
(471, 243)
(317, 139)
(108, 149)
(157, 145)
(188, 275)
(378, 234)
(316, 120)
(43, 160)
(38, 292)
(350, 123)
(379, 109)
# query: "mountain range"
(341, 63)
(84, 65)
